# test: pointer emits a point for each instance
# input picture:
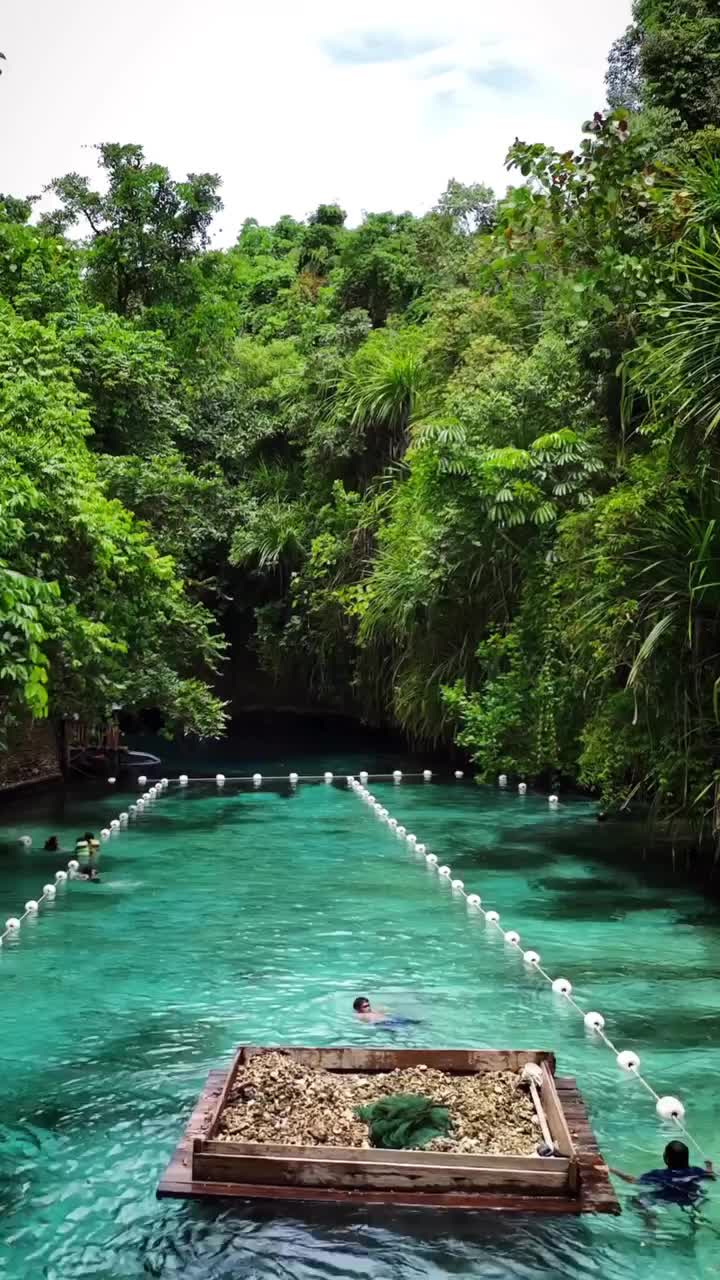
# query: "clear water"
(257, 917)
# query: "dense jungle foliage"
(457, 472)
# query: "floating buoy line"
(157, 787)
(294, 778)
(667, 1107)
(13, 924)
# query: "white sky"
(295, 102)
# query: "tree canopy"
(455, 472)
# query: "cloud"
(359, 48)
(504, 78)
(326, 125)
(436, 70)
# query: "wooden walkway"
(596, 1192)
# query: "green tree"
(92, 614)
(471, 206)
(142, 230)
(670, 57)
(380, 269)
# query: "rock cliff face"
(33, 755)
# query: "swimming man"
(679, 1182)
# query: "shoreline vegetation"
(456, 475)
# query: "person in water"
(678, 1183)
(380, 1017)
(88, 873)
(52, 845)
(365, 1013)
(87, 845)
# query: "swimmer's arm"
(626, 1177)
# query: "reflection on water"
(240, 917)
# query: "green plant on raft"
(404, 1120)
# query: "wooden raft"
(572, 1182)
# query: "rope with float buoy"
(667, 1107)
(13, 924)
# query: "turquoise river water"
(257, 916)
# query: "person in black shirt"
(678, 1183)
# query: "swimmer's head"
(361, 1004)
(676, 1155)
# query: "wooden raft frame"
(571, 1182)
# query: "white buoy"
(257, 779)
(60, 876)
(142, 780)
(492, 917)
(427, 774)
(73, 864)
(553, 801)
(411, 839)
(562, 987)
(397, 775)
(502, 780)
(183, 779)
(115, 825)
(112, 781)
(512, 937)
(531, 957)
(522, 788)
(458, 885)
(594, 1021)
(392, 823)
(294, 777)
(431, 859)
(363, 775)
(220, 779)
(474, 900)
(327, 776)
(164, 782)
(132, 808)
(124, 817)
(445, 872)
(459, 773)
(420, 848)
(670, 1108)
(12, 923)
(400, 831)
(25, 841)
(31, 906)
(48, 891)
(627, 1060)
(140, 805)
